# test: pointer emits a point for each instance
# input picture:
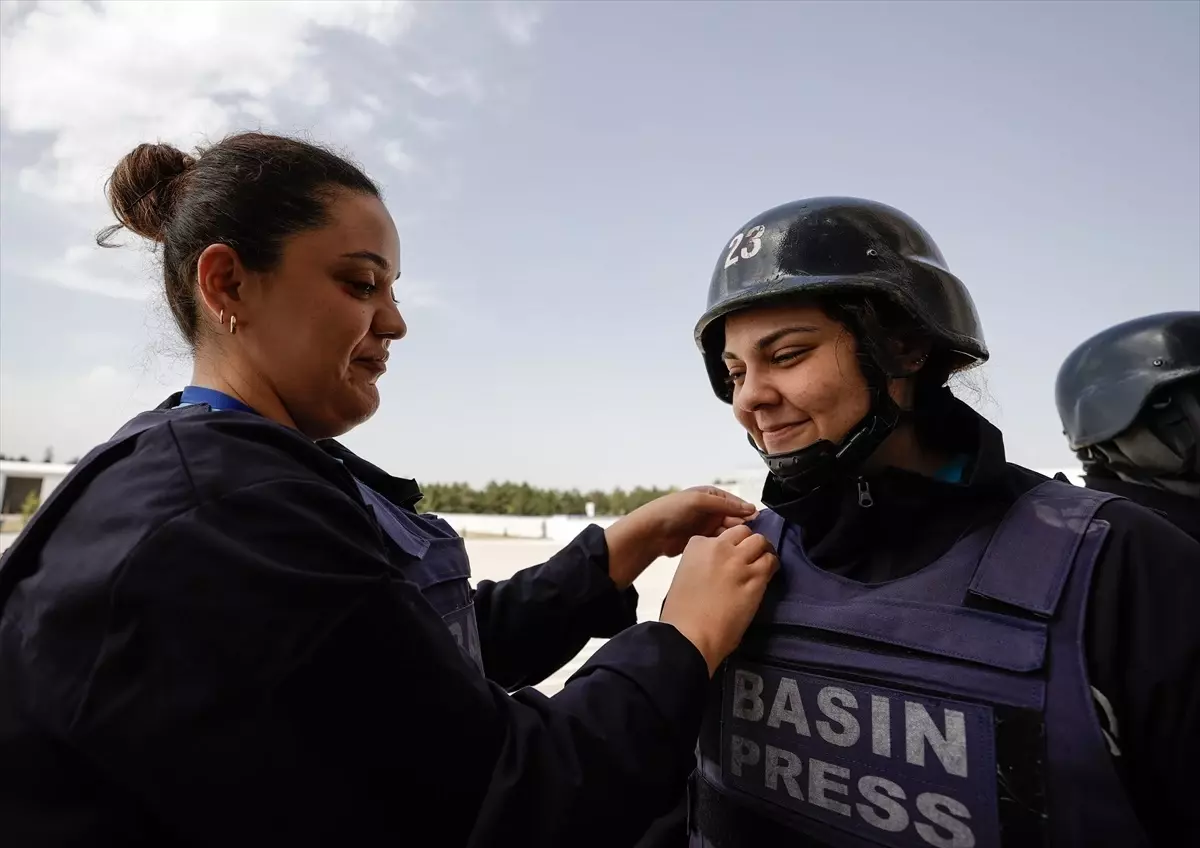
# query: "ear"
(909, 355)
(219, 277)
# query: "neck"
(903, 450)
(255, 393)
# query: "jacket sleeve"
(533, 623)
(266, 678)
(1143, 648)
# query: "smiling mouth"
(373, 364)
(780, 433)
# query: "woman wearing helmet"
(956, 651)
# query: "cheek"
(830, 390)
(852, 408)
(745, 418)
(331, 335)
(311, 343)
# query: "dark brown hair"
(875, 321)
(249, 191)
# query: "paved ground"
(495, 559)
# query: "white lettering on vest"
(881, 726)
(742, 752)
(830, 700)
(880, 791)
(788, 707)
(747, 695)
(950, 749)
(788, 773)
(941, 811)
(946, 825)
(842, 763)
(819, 784)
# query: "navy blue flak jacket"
(209, 637)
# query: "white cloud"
(427, 125)
(183, 72)
(123, 274)
(396, 156)
(464, 82)
(102, 77)
(10, 10)
(82, 83)
(518, 20)
(82, 410)
(355, 121)
(427, 83)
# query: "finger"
(754, 546)
(716, 526)
(736, 534)
(766, 565)
(713, 499)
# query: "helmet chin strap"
(804, 470)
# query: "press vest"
(423, 548)
(947, 708)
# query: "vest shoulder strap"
(20, 560)
(771, 525)
(1031, 554)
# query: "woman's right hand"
(717, 589)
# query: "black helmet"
(1104, 383)
(826, 245)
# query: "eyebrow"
(373, 258)
(770, 338)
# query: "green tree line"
(508, 498)
(522, 499)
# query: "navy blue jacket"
(213, 647)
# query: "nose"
(755, 391)
(389, 324)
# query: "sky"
(564, 177)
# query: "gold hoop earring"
(221, 318)
(915, 367)
(232, 325)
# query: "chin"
(789, 446)
(341, 416)
(359, 410)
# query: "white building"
(746, 483)
(19, 479)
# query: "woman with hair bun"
(226, 629)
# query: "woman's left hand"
(664, 526)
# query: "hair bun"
(143, 187)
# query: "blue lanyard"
(211, 397)
(222, 402)
(400, 533)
